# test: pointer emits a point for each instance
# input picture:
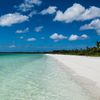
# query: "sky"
(43, 25)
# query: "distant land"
(88, 51)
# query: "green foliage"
(93, 51)
(98, 44)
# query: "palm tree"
(98, 44)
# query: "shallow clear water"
(36, 77)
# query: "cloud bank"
(77, 12)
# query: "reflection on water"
(36, 77)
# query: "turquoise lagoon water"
(36, 77)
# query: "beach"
(85, 70)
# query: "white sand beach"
(85, 70)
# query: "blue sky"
(42, 25)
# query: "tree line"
(89, 51)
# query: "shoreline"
(85, 70)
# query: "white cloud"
(12, 18)
(36, 2)
(38, 29)
(12, 46)
(95, 25)
(28, 5)
(49, 10)
(84, 36)
(57, 37)
(23, 31)
(31, 39)
(74, 37)
(77, 12)
(70, 14)
(33, 13)
(91, 13)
